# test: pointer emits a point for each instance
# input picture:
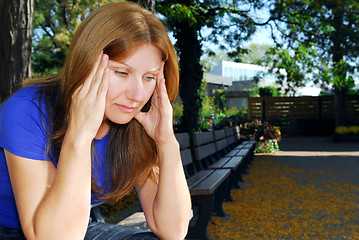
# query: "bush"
(268, 146)
(265, 135)
(347, 130)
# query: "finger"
(162, 91)
(155, 100)
(98, 78)
(76, 92)
(88, 81)
(140, 117)
(102, 90)
(160, 74)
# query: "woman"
(86, 135)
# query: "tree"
(54, 24)
(331, 27)
(148, 4)
(290, 66)
(15, 47)
(228, 24)
(256, 53)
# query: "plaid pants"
(95, 231)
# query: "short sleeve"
(22, 130)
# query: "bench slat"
(202, 138)
(233, 163)
(218, 164)
(219, 134)
(183, 140)
(221, 144)
(199, 176)
(211, 183)
(205, 151)
(232, 153)
(186, 157)
(243, 152)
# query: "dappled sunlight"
(314, 153)
(278, 201)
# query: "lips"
(125, 108)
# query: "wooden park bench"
(209, 185)
(207, 188)
(217, 142)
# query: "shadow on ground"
(308, 190)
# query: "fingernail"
(104, 57)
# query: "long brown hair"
(116, 29)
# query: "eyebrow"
(117, 64)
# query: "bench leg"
(245, 166)
(198, 224)
(220, 195)
(238, 177)
(231, 185)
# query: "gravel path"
(320, 153)
(307, 190)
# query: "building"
(235, 78)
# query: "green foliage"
(177, 112)
(265, 135)
(178, 12)
(269, 146)
(290, 66)
(255, 54)
(267, 91)
(227, 23)
(216, 114)
(54, 24)
(324, 34)
(347, 130)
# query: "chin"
(120, 120)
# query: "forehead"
(145, 57)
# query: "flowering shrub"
(265, 135)
(347, 130)
(268, 146)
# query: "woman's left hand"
(157, 122)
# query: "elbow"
(177, 231)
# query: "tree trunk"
(15, 44)
(191, 75)
(339, 107)
(340, 89)
(148, 4)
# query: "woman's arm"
(167, 206)
(52, 204)
(55, 203)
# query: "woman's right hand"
(88, 102)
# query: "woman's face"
(132, 83)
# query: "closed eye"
(121, 73)
(150, 77)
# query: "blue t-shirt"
(22, 133)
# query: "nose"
(135, 89)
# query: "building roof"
(216, 79)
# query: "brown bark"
(148, 4)
(15, 44)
